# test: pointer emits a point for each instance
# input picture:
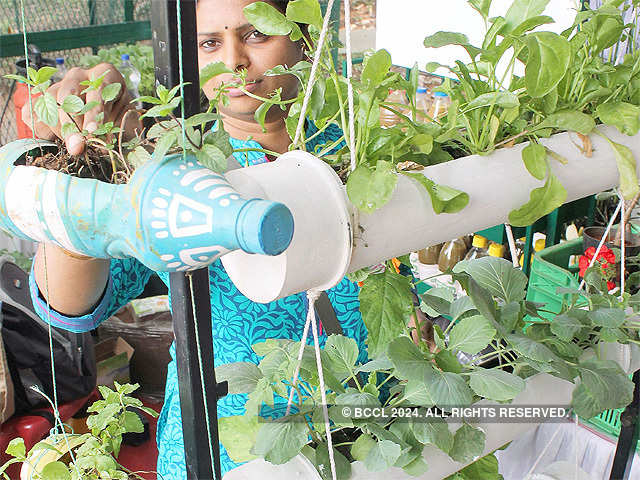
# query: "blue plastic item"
(173, 215)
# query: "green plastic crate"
(550, 270)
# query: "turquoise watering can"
(173, 215)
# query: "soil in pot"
(592, 235)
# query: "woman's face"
(224, 34)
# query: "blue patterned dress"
(237, 323)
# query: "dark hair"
(281, 5)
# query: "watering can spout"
(173, 215)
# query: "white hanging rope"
(303, 342)
(602, 240)
(512, 246)
(622, 242)
(314, 69)
(352, 128)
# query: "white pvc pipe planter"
(331, 238)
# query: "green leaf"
(543, 200)
(434, 431)
(444, 199)
(55, 471)
(437, 301)
(522, 10)
(447, 361)
(279, 442)
(362, 446)
(18, 78)
(468, 443)
(147, 99)
(382, 456)
(89, 106)
(530, 348)
(343, 466)
(416, 467)
(369, 190)
(485, 468)
(305, 11)
(72, 104)
(570, 120)
(499, 277)
(267, 19)
(498, 99)
(627, 170)
(238, 434)
(212, 158)
(566, 327)
(441, 39)
(16, 448)
(69, 128)
(604, 386)
(214, 69)
(201, 118)
(380, 363)
(534, 156)
(376, 68)
(624, 116)
(471, 334)
(460, 306)
(46, 109)
(242, 377)
(44, 74)
(111, 91)
(482, 6)
(607, 317)
(447, 389)
(407, 359)
(342, 352)
(132, 423)
(385, 304)
(549, 57)
(495, 384)
(139, 157)
(164, 144)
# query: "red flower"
(606, 259)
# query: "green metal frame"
(80, 37)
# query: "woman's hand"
(114, 110)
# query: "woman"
(85, 291)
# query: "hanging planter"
(173, 215)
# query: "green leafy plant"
(496, 339)
(89, 456)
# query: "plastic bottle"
(427, 265)
(387, 117)
(429, 255)
(131, 76)
(440, 105)
(478, 248)
(452, 252)
(62, 70)
(423, 104)
(496, 250)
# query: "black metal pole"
(164, 24)
(628, 438)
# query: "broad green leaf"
(69, 128)
(484, 302)
(570, 120)
(46, 109)
(471, 334)
(607, 317)
(138, 157)
(55, 471)
(279, 442)
(468, 443)
(447, 389)
(132, 423)
(353, 397)
(305, 11)
(495, 384)
(416, 393)
(342, 352)
(89, 106)
(201, 119)
(622, 115)
(499, 277)
(267, 19)
(237, 434)
(626, 168)
(362, 446)
(416, 467)
(549, 57)
(531, 24)
(164, 144)
(447, 361)
(522, 10)
(343, 466)
(566, 327)
(111, 91)
(437, 301)
(44, 74)
(530, 348)
(216, 68)
(385, 303)
(444, 199)
(509, 315)
(72, 104)
(498, 99)
(376, 68)
(242, 377)
(481, 6)
(212, 158)
(441, 39)
(434, 431)
(534, 156)
(371, 189)
(407, 359)
(604, 386)
(543, 200)
(16, 448)
(460, 306)
(380, 363)
(484, 468)
(18, 78)
(382, 456)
